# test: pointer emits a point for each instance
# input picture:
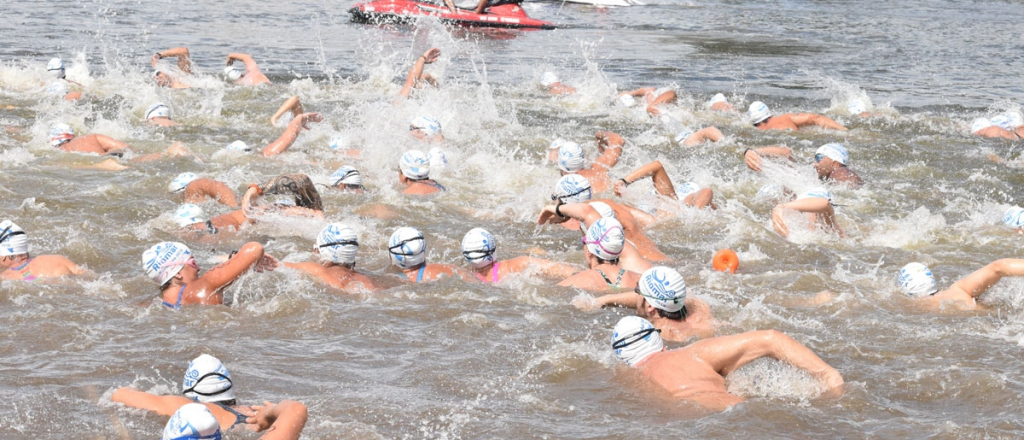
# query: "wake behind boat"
(406, 11)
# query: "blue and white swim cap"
(548, 78)
(193, 421)
(980, 124)
(834, 151)
(56, 67)
(407, 248)
(572, 188)
(664, 288)
(179, 183)
(338, 243)
(1014, 217)
(627, 100)
(478, 246)
(570, 157)
(158, 110)
(687, 189)
(605, 239)
(758, 112)
(346, 175)
(189, 214)
(60, 134)
(164, 260)
(239, 146)
(338, 142)
(634, 339)
(681, 136)
(1014, 119)
(234, 73)
(916, 279)
(415, 165)
(1001, 121)
(815, 192)
(207, 380)
(438, 160)
(429, 126)
(856, 107)
(13, 240)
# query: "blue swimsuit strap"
(239, 417)
(178, 305)
(419, 275)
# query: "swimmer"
(160, 114)
(171, 266)
(605, 241)
(298, 197)
(193, 218)
(718, 103)
(660, 297)
(762, 118)
(686, 136)
(207, 384)
(857, 107)
(347, 179)
(195, 189)
(17, 264)
(1011, 121)
(426, 129)
(184, 64)
(697, 372)
(698, 198)
(162, 79)
(408, 251)
(478, 248)
(414, 174)
(549, 81)
(477, 6)
(985, 128)
(291, 105)
(291, 133)
(830, 162)
(916, 280)
(416, 76)
(56, 68)
(340, 145)
(572, 161)
(249, 76)
(816, 204)
(337, 245)
(654, 98)
(62, 136)
(1014, 218)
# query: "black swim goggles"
(631, 339)
(399, 246)
(340, 243)
(8, 233)
(192, 389)
(559, 197)
(479, 254)
(346, 176)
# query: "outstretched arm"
(283, 421)
(250, 64)
(291, 104)
(803, 119)
(812, 205)
(578, 211)
(980, 280)
(226, 273)
(639, 92)
(290, 134)
(727, 353)
(623, 299)
(416, 72)
(199, 190)
(711, 133)
(163, 405)
(752, 156)
(652, 108)
(656, 171)
(609, 144)
(181, 53)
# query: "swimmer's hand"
(752, 159)
(778, 222)
(267, 263)
(262, 419)
(833, 380)
(430, 56)
(585, 302)
(620, 187)
(310, 117)
(548, 216)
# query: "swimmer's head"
(716, 99)
(438, 160)
(60, 134)
(164, 260)
(1014, 119)
(189, 214)
(572, 188)
(916, 279)
(834, 151)
(179, 183)
(681, 136)
(815, 192)
(1014, 217)
(605, 239)
(407, 248)
(758, 112)
(338, 143)
(627, 100)
(548, 78)
(338, 243)
(634, 339)
(162, 79)
(425, 125)
(663, 288)
(207, 380)
(57, 88)
(478, 248)
(1002, 121)
(192, 421)
(856, 107)
(347, 177)
(415, 165)
(13, 240)
(56, 68)
(771, 192)
(158, 110)
(570, 157)
(239, 146)
(234, 73)
(686, 189)
(980, 124)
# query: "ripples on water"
(457, 360)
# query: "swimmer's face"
(162, 79)
(353, 188)
(424, 136)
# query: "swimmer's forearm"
(647, 170)
(286, 140)
(774, 152)
(624, 299)
(286, 420)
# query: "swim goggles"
(479, 254)
(558, 197)
(402, 244)
(633, 338)
(341, 243)
(346, 176)
(818, 157)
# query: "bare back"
(43, 266)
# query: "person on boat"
(660, 297)
(250, 75)
(477, 6)
(184, 65)
(830, 162)
(56, 68)
(17, 264)
(160, 114)
(815, 204)
(336, 246)
(408, 251)
(172, 266)
(195, 189)
(696, 373)
(571, 160)
(479, 247)
(414, 174)
(692, 195)
(426, 129)
(207, 385)
(417, 77)
(759, 115)
(916, 279)
(550, 82)
(348, 179)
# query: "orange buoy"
(726, 260)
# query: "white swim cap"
(1001, 121)
(429, 126)
(1014, 119)
(834, 151)
(415, 165)
(664, 288)
(164, 260)
(56, 67)
(239, 146)
(346, 175)
(60, 134)
(478, 247)
(856, 107)
(627, 100)
(605, 239)
(338, 243)
(681, 136)
(548, 78)
(815, 192)
(179, 183)
(189, 214)
(57, 88)
(687, 189)
(980, 124)
(770, 192)
(716, 99)
(572, 188)
(1014, 217)
(916, 279)
(407, 248)
(438, 160)
(13, 240)
(634, 339)
(193, 421)
(158, 110)
(234, 73)
(603, 209)
(758, 112)
(570, 157)
(207, 380)
(338, 142)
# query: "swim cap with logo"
(193, 421)
(189, 214)
(834, 151)
(438, 160)
(634, 339)
(56, 67)
(234, 73)
(1014, 119)
(179, 183)
(348, 176)
(13, 240)
(338, 243)
(687, 189)
(338, 142)
(916, 279)
(627, 100)
(478, 247)
(164, 260)
(407, 248)
(605, 239)
(1014, 217)
(980, 124)
(239, 146)
(1002, 121)
(158, 110)
(548, 78)
(815, 192)
(570, 157)
(758, 112)
(429, 126)
(664, 288)
(60, 134)
(415, 165)
(856, 107)
(572, 188)
(207, 380)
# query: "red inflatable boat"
(406, 11)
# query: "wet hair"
(603, 261)
(679, 315)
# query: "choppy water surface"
(458, 360)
